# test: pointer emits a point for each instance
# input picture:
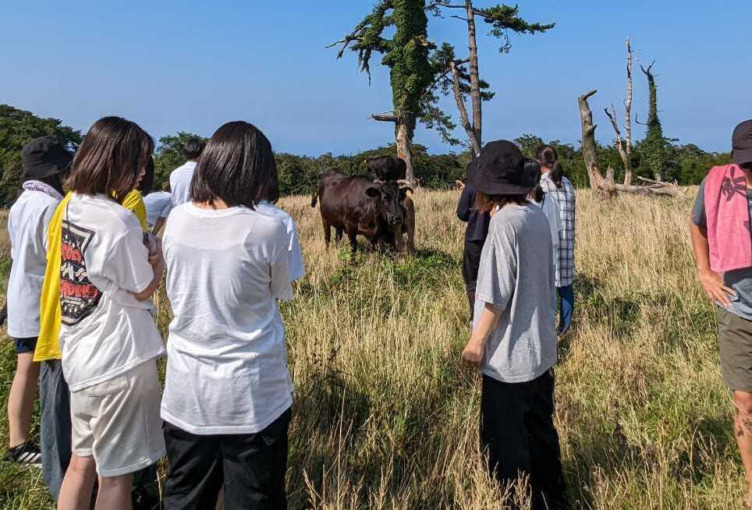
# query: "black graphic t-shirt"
(78, 296)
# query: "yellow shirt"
(48, 346)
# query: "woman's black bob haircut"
(236, 167)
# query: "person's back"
(27, 224)
(181, 177)
(158, 205)
(516, 275)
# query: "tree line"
(685, 164)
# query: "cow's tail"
(315, 196)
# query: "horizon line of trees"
(686, 164)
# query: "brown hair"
(236, 167)
(487, 203)
(110, 159)
(549, 158)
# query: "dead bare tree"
(605, 186)
(624, 146)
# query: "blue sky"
(193, 65)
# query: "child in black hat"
(514, 338)
(44, 160)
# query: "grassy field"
(385, 416)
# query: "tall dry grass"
(385, 416)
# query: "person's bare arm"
(158, 264)
(711, 281)
(158, 226)
(473, 353)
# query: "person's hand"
(716, 291)
(460, 185)
(473, 353)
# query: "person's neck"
(216, 204)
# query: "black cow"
(359, 205)
(389, 168)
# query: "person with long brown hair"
(514, 340)
(108, 338)
(558, 187)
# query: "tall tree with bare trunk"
(503, 20)
(624, 145)
(605, 187)
(407, 55)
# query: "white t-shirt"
(295, 267)
(27, 225)
(227, 361)
(105, 330)
(180, 183)
(158, 205)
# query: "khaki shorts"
(118, 421)
(735, 344)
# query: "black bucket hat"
(741, 143)
(44, 157)
(500, 170)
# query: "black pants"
(518, 435)
(251, 467)
(470, 264)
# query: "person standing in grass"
(180, 178)
(722, 243)
(558, 187)
(108, 338)
(228, 392)
(44, 161)
(475, 236)
(514, 338)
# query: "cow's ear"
(405, 192)
(373, 192)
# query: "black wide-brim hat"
(500, 170)
(741, 142)
(44, 157)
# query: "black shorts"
(251, 467)
(24, 345)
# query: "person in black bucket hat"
(44, 159)
(500, 170)
(514, 338)
(741, 143)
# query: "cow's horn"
(376, 181)
(404, 183)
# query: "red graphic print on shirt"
(78, 296)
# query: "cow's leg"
(338, 234)
(352, 235)
(327, 232)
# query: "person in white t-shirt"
(44, 161)
(180, 178)
(228, 392)
(158, 206)
(108, 339)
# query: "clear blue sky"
(192, 65)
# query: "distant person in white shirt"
(180, 178)
(158, 206)
(228, 392)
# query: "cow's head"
(388, 198)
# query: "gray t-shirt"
(516, 275)
(739, 280)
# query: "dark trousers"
(518, 435)
(470, 264)
(251, 467)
